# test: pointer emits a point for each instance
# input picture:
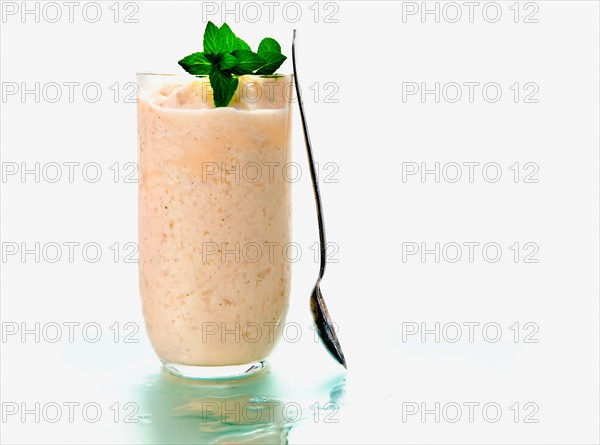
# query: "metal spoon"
(317, 304)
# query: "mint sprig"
(226, 56)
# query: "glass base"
(214, 372)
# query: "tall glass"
(214, 213)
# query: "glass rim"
(150, 73)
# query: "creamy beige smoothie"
(214, 214)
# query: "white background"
(368, 54)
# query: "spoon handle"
(311, 164)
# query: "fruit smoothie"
(214, 213)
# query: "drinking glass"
(214, 220)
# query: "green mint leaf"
(273, 60)
(228, 39)
(268, 45)
(212, 39)
(227, 61)
(242, 45)
(214, 59)
(223, 86)
(196, 64)
(230, 42)
(247, 62)
(226, 56)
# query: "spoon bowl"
(325, 327)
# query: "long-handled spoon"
(317, 304)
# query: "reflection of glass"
(212, 209)
(259, 410)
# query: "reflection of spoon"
(317, 304)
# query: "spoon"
(317, 303)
